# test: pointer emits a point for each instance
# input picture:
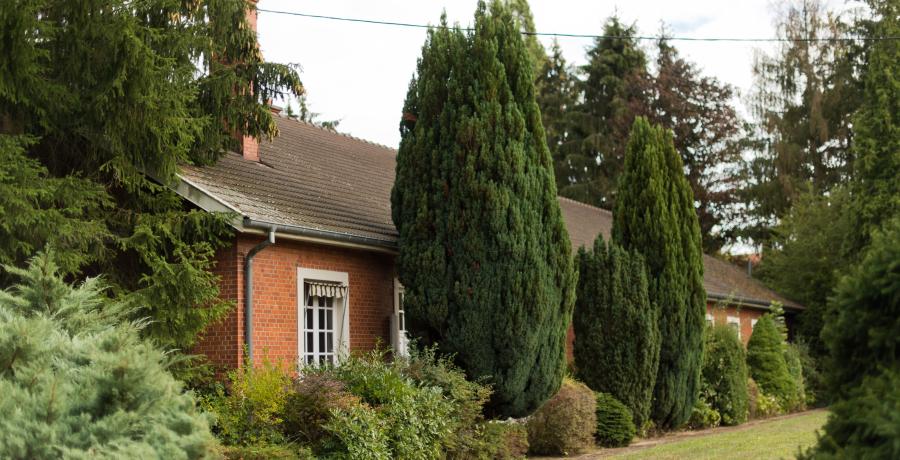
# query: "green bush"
(566, 423)
(615, 428)
(866, 424)
(265, 452)
(470, 432)
(417, 418)
(724, 375)
(616, 346)
(703, 416)
(499, 441)
(309, 406)
(761, 404)
(358, 433)
(861, 329)
(77, 381)
(792, 359)
(250, 412)
(813, 382)
(766, 359)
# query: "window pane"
(309, 300)
(321, 341)
(309, 342)
(402, 321)
(330, 342)
(321, 319)
(309, 318)
(329, 301)
(309, 359)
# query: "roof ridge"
(589, 206)
(336, 132)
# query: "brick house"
(314, 248)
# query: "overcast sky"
(359, 73)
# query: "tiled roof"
(317, 179)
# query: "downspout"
(248, 291)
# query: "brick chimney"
(249, 144)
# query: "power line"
(571, 35)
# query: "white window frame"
(399, 336)
(753, 323)
(710, 320)
(737, 321)
(342, 348)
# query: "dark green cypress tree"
(484, 254)
(616, 327)
(655, 216)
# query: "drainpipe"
(248, 291)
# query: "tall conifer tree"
(557, 98)
(484, 254)
(612, 93)
(655, 216)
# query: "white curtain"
(326, 289)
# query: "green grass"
(768, 440)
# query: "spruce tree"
(100, 103)
(862, 329)
(655, 216)
(616, 327)
(484, 254)
(78, 381)
(612, 93)
(557, 98)
(875, 186)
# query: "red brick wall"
(371, 283)
(746, 315)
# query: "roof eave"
(749, 302)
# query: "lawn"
(774, 439)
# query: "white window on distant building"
(324, 326)
(753, 323)
(735, 323)
(399, 338)
(709, 320)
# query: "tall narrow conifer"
(655, 216)
(616, 327)
(484, 254)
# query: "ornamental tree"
(484, 254)
(100, 102)
(655, 216)
(616, 327)
(765, 358)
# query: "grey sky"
(359, 73)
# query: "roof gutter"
(248, 291)
(324, 236)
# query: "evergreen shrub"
(766, 360)
(566, 423)
(866, 425)
(703, 415)
(617, 337)
(793, 360)
(615, 428)
(77, 381)
(724, 375)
